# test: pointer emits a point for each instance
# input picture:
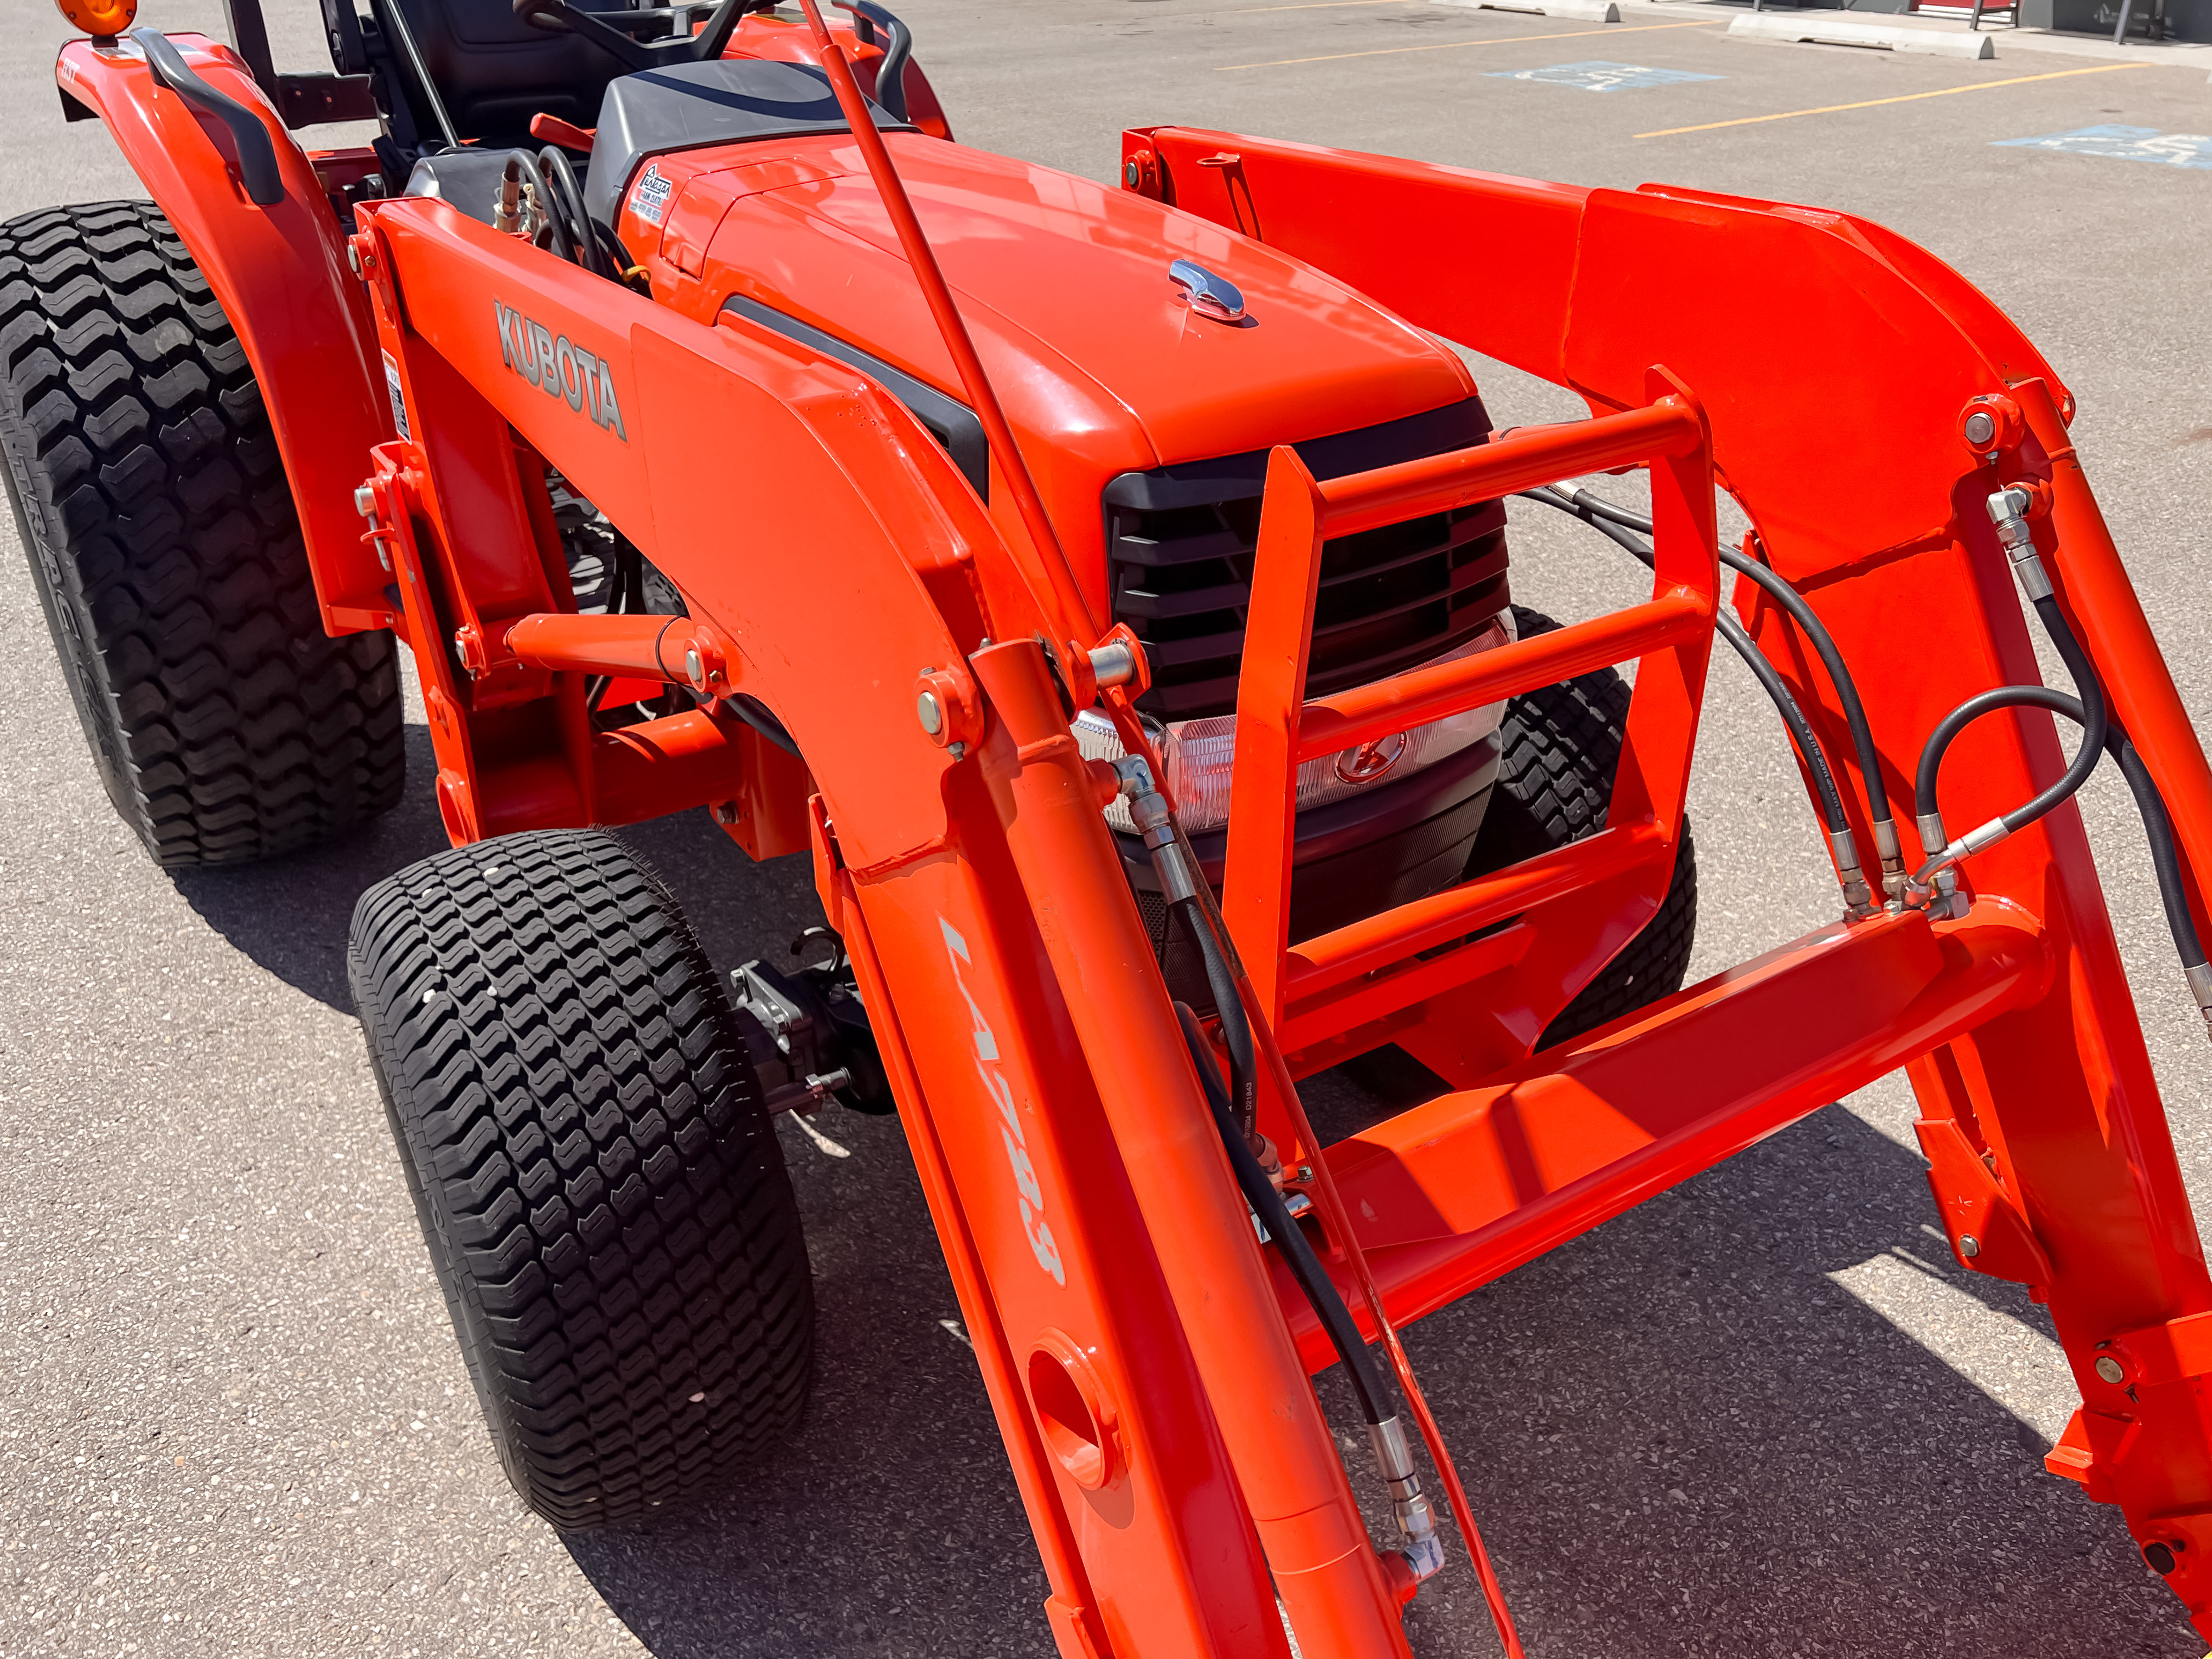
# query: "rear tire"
(1559, 746)
(601, 1189)
(167, 554)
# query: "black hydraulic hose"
(1235, 1031)
(1792, 602)
(2158, 823)
(1298, 1253)
(1801, 729)
(588, 252)
(521, 161)
(1770, 679)
(2094, 720)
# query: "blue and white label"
(650, 199)
(1602, 78)
(2172, 149)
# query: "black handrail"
(890, 73)
(257, 154)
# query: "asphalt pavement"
(1761, 1415)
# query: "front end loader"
(1107, 589)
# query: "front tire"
(166, 550)
(600, 1187)
(1559, 746)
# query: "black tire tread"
(165, 547)
(1559, 748)
(601, 1188)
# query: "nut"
(1969, 1246)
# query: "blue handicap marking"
(2172, 149)
(1601, 77)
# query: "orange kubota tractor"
(717, 432)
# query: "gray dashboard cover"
(684, 106)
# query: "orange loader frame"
(1148, 1366)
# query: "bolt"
(2111, 1369)
(926, 709)
(725, 812)
(693, 669)
(1130, 174)
(364, 501)
(1981, 427)
(1305, 1172)
(1969, 1246)
(353, 257)
(2160, 1558)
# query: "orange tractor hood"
(1102, 366)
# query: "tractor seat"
(730, 101)
(493, 71)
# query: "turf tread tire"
(1559, 748)
(597, 1177)
(165, 546)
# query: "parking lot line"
(1902, 98)
(1449, 46)
(1323, 5)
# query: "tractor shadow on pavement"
(1681, 1436)
(292, 915)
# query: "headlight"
(1199, 754)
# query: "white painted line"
(1836, 32)
(1582, 11)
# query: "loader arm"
(1836, 427)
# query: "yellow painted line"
(1453, 46)
(1902, 98)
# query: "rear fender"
(280, 274)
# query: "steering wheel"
(615, 31)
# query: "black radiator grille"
(1179, 545)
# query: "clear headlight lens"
(1199, 754)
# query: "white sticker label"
(399, 397)
(650, 202)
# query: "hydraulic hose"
(1183, 881)
(2158, 823)
(584, 246)
(521, 165)
(1824, 646)
(1267, 1203)
(2094, 720)
(1609, 523)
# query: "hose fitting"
(1858, 897)
(1178, 872)
(1417, 1520)
(2008, 512)
(2200, 987)
(1892, 852)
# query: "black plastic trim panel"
(950, 422)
